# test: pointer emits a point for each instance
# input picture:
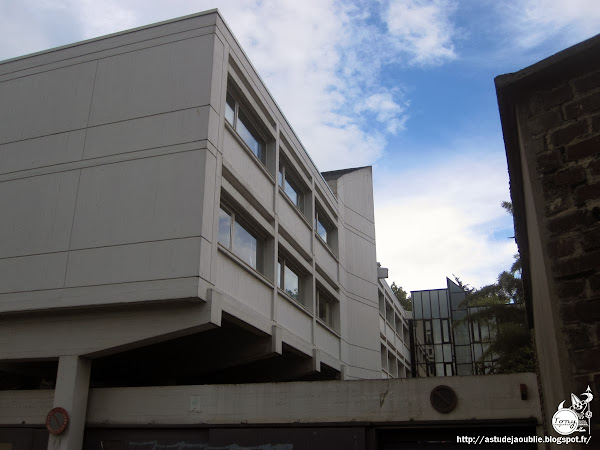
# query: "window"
(241, 122)
(389, 314)
(288, 280)
(326, 309)
(325, 229)
(290, 187)
(237, 237)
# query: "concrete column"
(71, 393)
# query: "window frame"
(249, 125)
(332, 309)
(235, 218)
(321, 218)
(284, 178)
(285, 263)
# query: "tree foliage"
(504, 309)
(402, 296)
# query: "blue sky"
(405, 86)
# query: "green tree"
(402, 296)
(503, 308)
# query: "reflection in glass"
(445, 331)
(291, 283)
(321, 230)
(230, 109)
(417, 311)
(435, 304)
(447, 353)
(437, 332)
(247, 133)
(291, 193)
(244, 245)
(426, 307)
(443, 304)
(224, 228)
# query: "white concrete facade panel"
(41, 214)
(29, 108)
(179, 127)
(44, 151)
(140, 200)
(143, 83)
(159, 260)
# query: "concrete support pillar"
(71, 393)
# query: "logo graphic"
(576, 417)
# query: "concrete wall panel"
(32, 273)
(148, 132)
(174, 258)
(243, 163)
(290, 317)
(140, 200)
(325, 260)
(359, 224)
(46, 103)
(359, 250)
(327, 341)
(357, 331)
(44, 151)
(290, 220)
(40, 214)
(237, 282)
(153, 80)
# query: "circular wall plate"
(443, 399)
(57, 420)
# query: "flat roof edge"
(111, 35)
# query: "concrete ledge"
(486, 397)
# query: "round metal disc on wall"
(443, 399)
(57, 420)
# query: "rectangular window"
(326, 309)
(241, 122)
(445, 331)
(237, 237)
(289, 280)
(290, 187)
(321, 229)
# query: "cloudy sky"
(403, 85)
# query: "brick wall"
(565, 123)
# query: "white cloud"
(423, 29)
(316, 57)
(386, 110)
(440, 220)
(531, 23)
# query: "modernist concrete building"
(161, 219)
(163, 230)
(551, 123)
(394, 333)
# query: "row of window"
(238, 236)
(240, 121)
(387, 312)
(393, 366)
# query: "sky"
(406, 86)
